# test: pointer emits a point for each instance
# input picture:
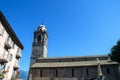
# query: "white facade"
(10, 54)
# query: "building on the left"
(10, 51)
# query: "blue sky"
(75, 27)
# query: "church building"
(68, 68)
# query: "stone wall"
(110, 72)
(47, 78)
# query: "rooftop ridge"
(62, 57)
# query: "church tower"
(39, 45)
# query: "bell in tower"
(39, 46)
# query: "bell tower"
(39, 45)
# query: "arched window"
(39, 38)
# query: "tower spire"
(42, 23)
(39, 44)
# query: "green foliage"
(1, 75)
(115, 52)
(16, 77)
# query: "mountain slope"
(23, 74)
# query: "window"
(87, 72)
(108, 71)
(8, 39)
(2, 67)
(1, 29)
(39, 38)
(2, 32)
(40, 73)
(7, 44)
(13, 46)
(56, 73)
(17, 50)
(72, 72)
(10, 57)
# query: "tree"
(115, 52)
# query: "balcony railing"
(16, 65)
(18, 55)
(8, 44)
